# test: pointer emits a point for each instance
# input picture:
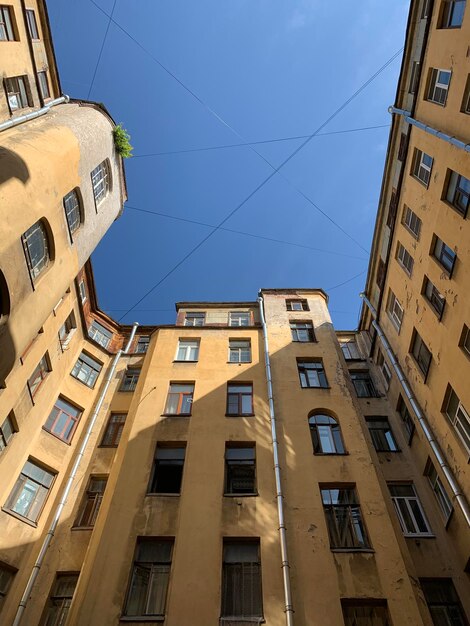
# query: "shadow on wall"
(12, 166)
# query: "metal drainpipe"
(14, 121)
(277, 473)
(68, 485)
(429, 129)
(423, 422)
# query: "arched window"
(326, 435)
(73, 211)
(101, 181)
(36, 247)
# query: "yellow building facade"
(249, 463)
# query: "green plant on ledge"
(122, 142)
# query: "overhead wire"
(101, 49)
(244, 233)
(275, 169)
(256, 143)
(345, 282)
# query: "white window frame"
(101, 181)
(44, 84)
(460, 420)
(393, 307)
(443, 500)
(95, 333)
(238, 350)
(36, 265)
(438, 91)
(421, 170)
(188, 347)
(407, 501)
(238, 318)
(403, 257)
(195, 319)
(350, 349)
(411, 222)
(73, 212)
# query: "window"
(350, 349)
(168, 469)
(7, 430)
(66, 330)
(30, 492)
(409, 510)
(432, 295)
(439, 81)
(343, 518)
(188, 350)
(180, 399)
(443, 602)
(87, 370)
(240, 318)
(406, 417)
(297, 305)
(312, 373)
(130, 379)
(241, 581)
(302, 331)
(381, 271)
(405, 259)
(91, 502)
(365, 613)
(82, 291)
(32, 24)
(36, 379)
(325, 434)
(464, 342)
(239, 351)
(36, 248)
(452, 13)
(394, 310)
(100, 334)
(63, 420)
(18, 94)
(114, 428)
(60, 600)
(7, 32)
(422, 166)
(363, 385)
(384, 368)
(150, 576)
(44, 84)
(72, 211)
(195, 319)
(381, 434)
(240, 399)
(411, 221)
(142, 344)
(458, 192)
(458, 416)
(444, 255)
(414, 79)
(6, 577)
(240, 469)
(421, 353)
(465, 108)
(403, 147)
(100, 180)
(440, 493)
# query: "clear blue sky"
(270, 69)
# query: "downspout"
(14, 121)
(458, 143)
(289, 611)
(423, 422)
(68, 485)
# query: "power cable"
(346, 281)
(101, 49)
(235, 132)
(267, 179)
(241, 232)
(256, 143)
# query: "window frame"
(465, 107)
(240, 395)
(348, 353)
(404, 259)
(101, 182)
(18, 87)
(414, 77)
(143, 341)
(297, 330)
(447, 13)
(64, 601)
(411, 511)
(195, 317)
(406, 418)
(113, 430)
(365, 605)
(239, 350)
(32, 24)
(91, 502)
(416, 347)
(41, 494)
(330, 431)
(196, 344)
(437, 91)
(292, 302)
(378, 434)
(304, 366)
(77, 208)
(445, 252)
(183, 397)
(459, 418)
(454, 192)
(39, 374)
(72, 419)
(6, 433)
(94, 366)
(456, 603)
(433, 296)
(130, 379)
(418, 166)
(44, 84)
(37, 266)
(99, 333)
(178, 460)
(232, 466)
(350, 521)
(252, 573)
(67, 330)
(411, 222)
(233, 316)
(464, 341)
(6, 568)
(440, 493)
(7, 24)
(368, 383)
(392, 302)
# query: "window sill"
(67, 443)
(160, 495)
(112, 447)
(126, 390)
(82, 383)
(327, 387)
(426, 186)
(239, 415)
(462, 214)
(239, 362)
(419, 536)
(176, 415)
(136, 618)
(348, 550)
(240, 495)
(331, 454)
(398, 451)
(20, 517)
(443, 268)
(74, 528)
(184, 361)
(241, 620)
